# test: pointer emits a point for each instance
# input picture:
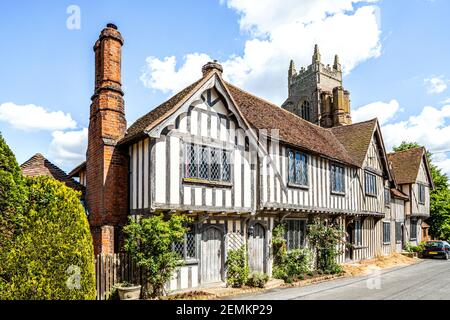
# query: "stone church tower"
(316, 93)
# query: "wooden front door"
(256, 249)
(211, 255)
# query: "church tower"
(316, 93)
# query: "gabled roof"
(149, 120)
(292, 129)
(75, 172)
(259, 113)
(356, 138)
(38, 165)
(406, 165)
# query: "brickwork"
(107, 165)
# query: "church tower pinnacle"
(316, 93)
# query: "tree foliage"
(439, 220)
(51, 257)
(46, 247)
(149, 242)
(13, 197)
(324, 238)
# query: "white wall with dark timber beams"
(419, 208)
(158, 163)
(276, 191)
(373, 164)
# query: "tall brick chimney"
(107, 166)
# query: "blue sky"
(394, 52)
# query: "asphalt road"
(429, 279)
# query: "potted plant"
(128, 291)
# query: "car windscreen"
(432, 245)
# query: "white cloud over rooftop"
(279, 31)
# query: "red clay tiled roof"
(356, 138)
(292, 129)
(406, 164)
(75, 172)
(398, 194)
(38, 165)
(138, 128)
(261, 115)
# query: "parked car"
(436, 249)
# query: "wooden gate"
(256, 249)
(211, 255)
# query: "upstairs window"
(370, 184)
(207, 163)
(387, 197)
(421, 194)
(298, 168)
(337, 178)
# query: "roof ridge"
(276, 106)
(408, 150)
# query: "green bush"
(289, 265)
(237, 268)
(51, 257)
(325, 239)
(13, 196)
(257, 280)
(149, 242)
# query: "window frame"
(340, 170)
(422, 192)
(398, 232)
(387, 191)
(303, 170)
(413, 222)
(223, 156)
(301, 236)
(185, 256)
(370, 186)
(358, 236)
(386, 236)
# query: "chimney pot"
(112, 26)
(214, 65)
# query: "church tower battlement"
(316, 93)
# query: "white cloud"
(35, 118)
(162, 74)
(431, 128)
(280, 31)
(436, 84)
(68, 149)
(381, 110)
(446, 101)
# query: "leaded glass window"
(337, 176)
(187, 247)
(207, 163)
(298, 168)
